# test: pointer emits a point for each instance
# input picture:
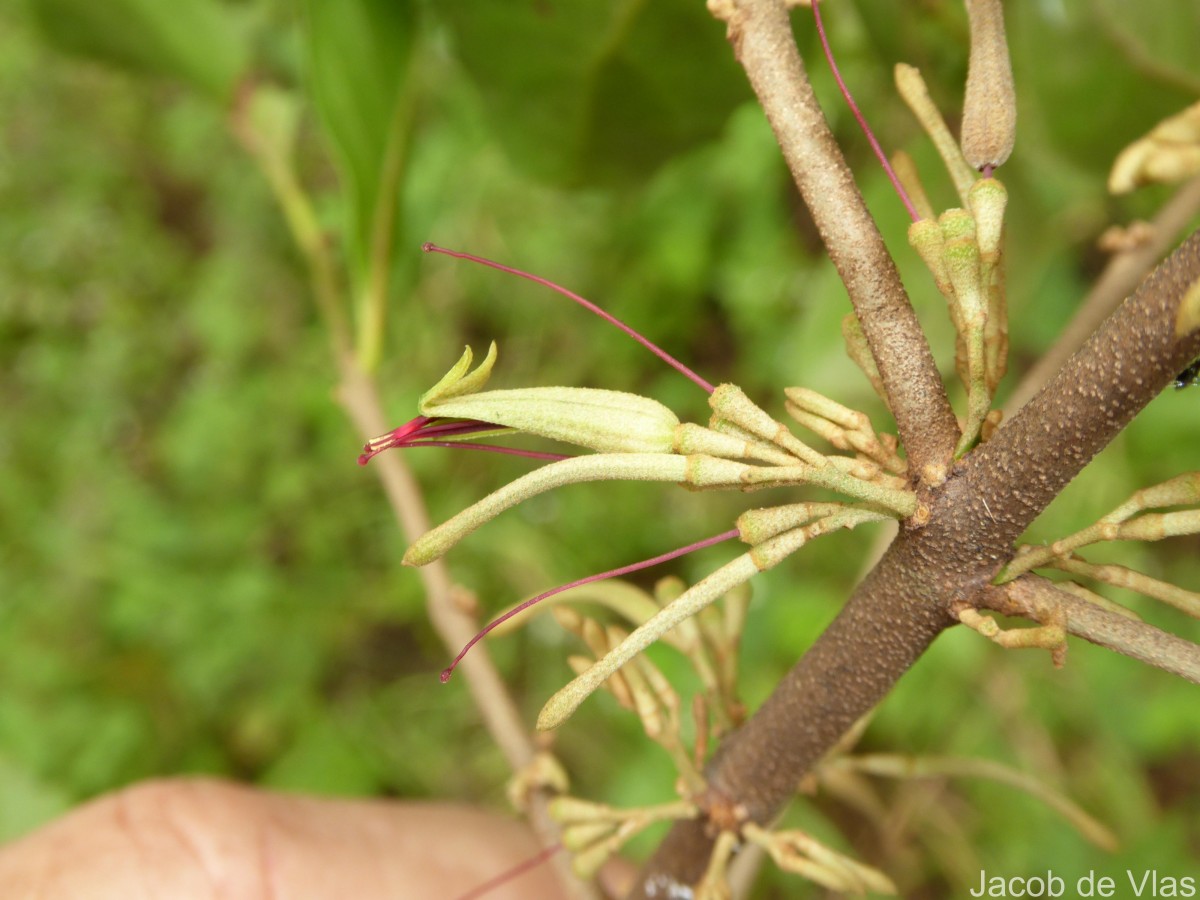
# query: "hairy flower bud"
(606, 421)
(989, 121)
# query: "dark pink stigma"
(611, 573)
(422, 428)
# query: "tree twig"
(358, 396)
(1030, 595)
(906, 601)
(1120, 369)
(761, 35)
(951, 552)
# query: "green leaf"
(200, 42)
(1150, 86)
(358, 54)
(596, 91)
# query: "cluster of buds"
(709, 641)
(593, 832)
(743, 447)
(962, 250)
(635, 438)
(961, 247)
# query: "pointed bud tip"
(446, 673)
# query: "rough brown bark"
(761, 35)
(974, 518)
(967, 525)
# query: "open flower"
(606, 421)
(455, 408)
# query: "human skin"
(202, 839)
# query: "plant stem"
(761, 35)
(1102, 627)
(905, 602)
(372, 318)
(358, 395)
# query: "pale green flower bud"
(606, 421)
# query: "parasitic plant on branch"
(965, 489)
(956, 486)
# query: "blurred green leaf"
(595, 91)
(1095, 113)
(323, 759)
(200, 42)
(29, 800)
(358, 54)
(1159, 42)
(194, 575)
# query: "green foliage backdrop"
(196, 577)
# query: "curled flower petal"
(460, 379)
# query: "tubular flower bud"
(990, 108)
(606, 421)
(455, 410)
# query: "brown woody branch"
(1120, 369)
(973, 519)
(906, 601)
(1034, 597)
(761, 35)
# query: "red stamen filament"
(424, 431)
(515, 872)
(612, 573)
(862, 122)
(586, 304)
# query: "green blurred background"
(195, 577)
